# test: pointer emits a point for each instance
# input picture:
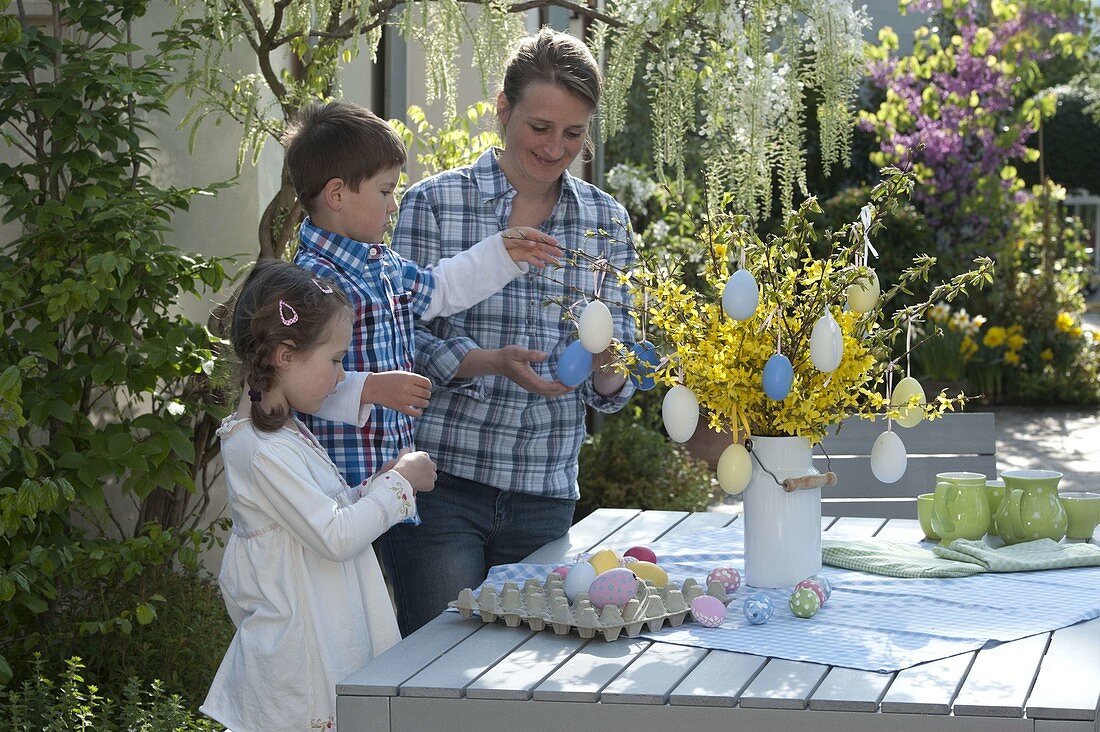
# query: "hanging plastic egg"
(778, 377)
(574, 364)
(643, 372)
(734, 469)
(906, 388)
(596, 327)
(826, 344)
(888, 458)
(680, 412)
(741, 295)
(863, 295)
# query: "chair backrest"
(958, 441)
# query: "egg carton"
(545, 605)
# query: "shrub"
(73, 703)
(628, 465)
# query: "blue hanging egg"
(778, 377)
(574, 364)
(741, 295)
(642, 373)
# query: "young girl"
(299, 577)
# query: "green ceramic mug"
(924, 515)
(994, 494)
(1030, 509)
(1082, 512)
(960, 509)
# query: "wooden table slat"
(451, 673)
(927, 688)
(653, 675)
(582, 677)
(718, 680)
(852, 527)
(783, 684)
(902, 529)
(850, 690)
(1068, 684)
(383, 675)
(583, 535)
(701, 520)
(518, 673)
(644, 528)
(1001, 677)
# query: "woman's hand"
(527, 244)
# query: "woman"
(503, 430)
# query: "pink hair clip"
(323, 288)
(287, 319)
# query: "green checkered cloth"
(960, 558)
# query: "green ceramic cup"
(1030, 509)
(924, 515)
(1083, 511)
(960, 509)
(994, 493)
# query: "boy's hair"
(338, 140)
(556, 58)
(279, 303)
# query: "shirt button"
(374, 251)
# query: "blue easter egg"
(778, 377)
(741, 295)
(758, 608)
(648, 360)
(574, 364)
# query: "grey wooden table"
(468, 676)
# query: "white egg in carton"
(545, 605)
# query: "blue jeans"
(467, 528)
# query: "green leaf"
(145, 614)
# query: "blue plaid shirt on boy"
(488, 429)
(387, 294)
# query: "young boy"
(345, 163)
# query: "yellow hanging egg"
(906, 388)
(863, 295)
(604, 560)
(734, 469)
(649, 572)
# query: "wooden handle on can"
(806, 482)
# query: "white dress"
(299, 578)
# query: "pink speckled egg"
(562, 571)
(614, 587)
(708, 611)
(641, 553)
(813, 585)
(729, 578)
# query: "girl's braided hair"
(278, 303)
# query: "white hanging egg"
(741, 295)
(579, 579)
(888, 458)
(596, 327)
(863, 295)
(906, 388)
(826, 344)
(680, 411)
(734, 469)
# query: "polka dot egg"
(728, 577)
(614, 587)
(758, 608)
(804, 603)
(825, 585)
(708, 611)
(815, 586)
